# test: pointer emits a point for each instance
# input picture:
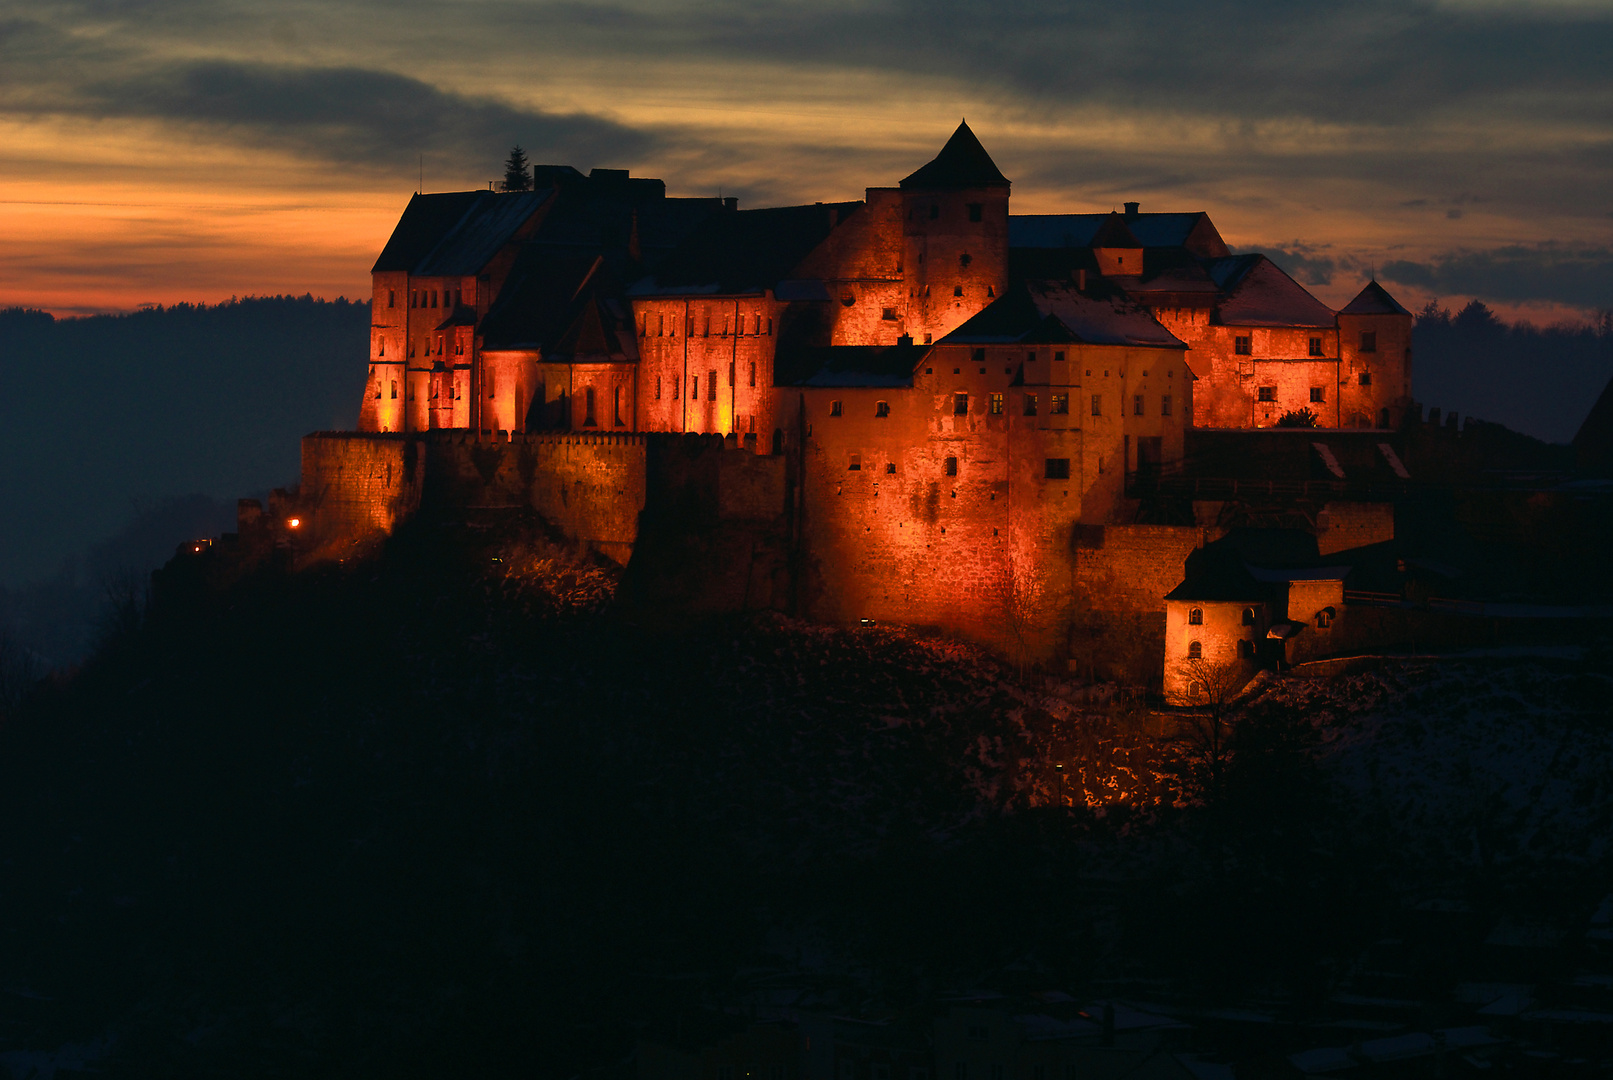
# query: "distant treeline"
(111, 416)
(1537, 380)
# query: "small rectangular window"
(957, 290)
(394, 390)
(459, 297)
(1316, 346)
(1243, 346)
(658, 388)
(960, 404)
(677, 388)
(694, 388)
(1137, 405)
(1097, 404)
(730, 373)
(1058, 468)
(433, 297)
(1366, 378)
(711, 386)
(888, 314)
(890, 468)
(1030, 404)
(834, 408)
(1369, 341)
(952, 466)
(980, 356)
(1318, 394)
(1165, 405)
(1267, 393)
(856, 463)
(616, 406)
(391, 298)
(588, 408)
(753, 373)
(882, 408)
(996, 404)
(1058, 356)
(1059, 405)
(975, 211)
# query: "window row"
(1195, 617)
(996, 404)
(1246, 650)
(748, 326)
(1269, 393)
(419, 298)
(694, 384)
(1052, 468)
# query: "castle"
(928, 410)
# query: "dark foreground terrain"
(460, 810)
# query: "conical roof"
(1373, 300)
(962, 163)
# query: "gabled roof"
(1217, 572)
(1373, 300)
(1114, 234)
(1078, 230)
(565, 305)
(1053, 311)
(849, 365)
(1258, 293)
(456, 233)
(962, 163)
(744, 251)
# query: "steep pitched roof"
(1114, 234)
(566, 304)
(457, 232)
(962, 163)
(744, 251)
(1373, 300)
(849, 365)
(1051, 311)
(1078, 230)
(1258, 293)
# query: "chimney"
(1131, 208)
(730, 203)
(905, 341)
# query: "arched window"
(1248, 616)
(1195, 617)
(1195, 651)
(1246, 649)
(1324, 618)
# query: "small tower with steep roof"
(954, 237)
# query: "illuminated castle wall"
(954, 397)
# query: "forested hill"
(112, 412)
(1541, 381)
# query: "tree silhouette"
(516, 177)
(1297, 418)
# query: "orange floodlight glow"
(295, 522)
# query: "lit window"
(1318, 394)
(1030, 404)
(1195, 651)
(1243, 346)
(1195, 617)
(1369, 341)
(960, 404)
(1059, 404)
(1267, 393)
(882, 408)
(1058, 468)
(996, 404)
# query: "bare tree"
(1206, 731)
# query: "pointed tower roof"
(1373, 300)
(962, 163)
(1113, 233)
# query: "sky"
(156, 151)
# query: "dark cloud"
(1578, 275)
(1305, 263)
(351, 116)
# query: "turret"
(955, 237)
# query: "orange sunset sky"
(190, 151)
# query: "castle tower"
(954, 237)
(1374, 359)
